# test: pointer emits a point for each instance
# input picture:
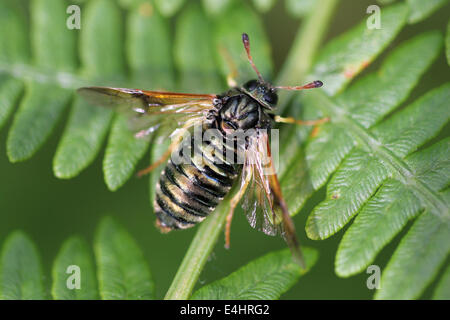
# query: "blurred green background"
(50, 210)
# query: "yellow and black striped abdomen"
(188, 192)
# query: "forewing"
(150, 110)
(258, 200)
(263, 201)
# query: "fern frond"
(442, 291)
(21, 275)
(381, 155)
(420, 10)
(118, 270)
(265, 278)
(388, 211)
(363, 153)
(417, 259)
(368, 157)
(118, 277)
(74, 260)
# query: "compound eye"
(270, 98)
(251, 85)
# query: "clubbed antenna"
(246, 41)
(311, 85)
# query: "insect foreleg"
(301, 122)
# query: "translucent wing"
(263, 202)
(150, 110)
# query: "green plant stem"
(197, 254)
(297, 65)
(304, 49)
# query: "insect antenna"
(246, 41)
(311, 85)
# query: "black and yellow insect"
(189, 191)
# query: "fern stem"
(297, 65)
(197, 254)
(304, 49)
(429, 197)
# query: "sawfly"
(188, 191)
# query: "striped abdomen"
(188, 192)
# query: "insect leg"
(233, 204)
(173, 145)
(158, 162)
(301, 122)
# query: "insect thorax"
(240, 111)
